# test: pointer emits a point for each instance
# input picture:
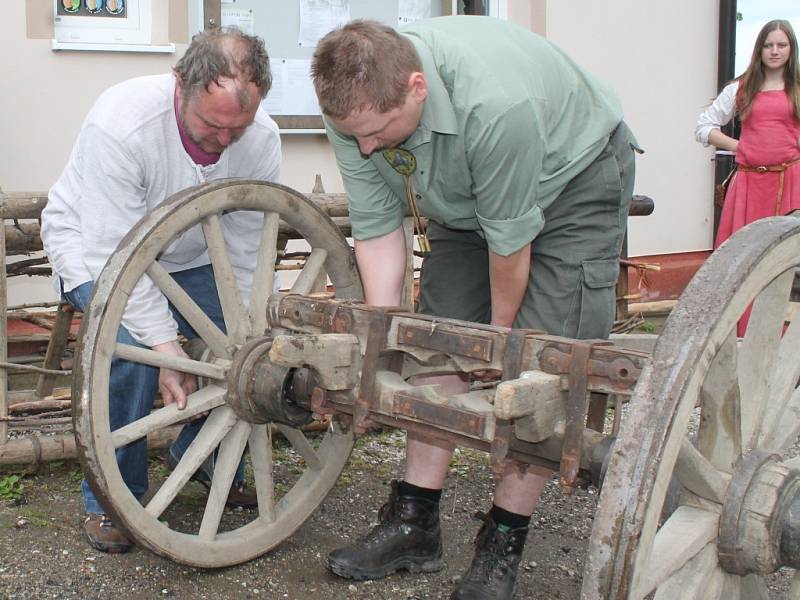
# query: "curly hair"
(363, 64)
(224, 53)
(752, 79)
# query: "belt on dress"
(779, 168)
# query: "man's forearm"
(508, 277)
(382, 264)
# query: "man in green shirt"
(522, 164)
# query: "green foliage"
(648, 327)
(11, 487)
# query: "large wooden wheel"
(724, 533)
(216, 537)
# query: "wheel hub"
(759, 528)
(260, 391)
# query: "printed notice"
(413, 10)
(238, 17)
(318, 17)
(292, 91)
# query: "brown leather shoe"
(104, 535)
(242, 496)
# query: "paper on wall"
(318, 17)
(292, 91)
(238, 17)
(413, 10)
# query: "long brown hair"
(752, 79)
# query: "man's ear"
(418, 86)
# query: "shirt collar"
(438, 115)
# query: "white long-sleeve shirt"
(127, 160)
(718, 114)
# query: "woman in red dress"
(767, 100)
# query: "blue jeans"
(133, 386)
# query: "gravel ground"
(43, 553)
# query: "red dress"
(769, 137)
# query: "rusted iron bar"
(463, 347)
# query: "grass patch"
(648, 327)
(11, 487)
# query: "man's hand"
(174, 385)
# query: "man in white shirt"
(144, 140)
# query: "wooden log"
(29, 450)
(37, 406)
(3, 340)
(59, 338)
(17, 396)
(22, 238)
(22, 205)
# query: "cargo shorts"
(574, 259)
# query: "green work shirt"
(509, 120)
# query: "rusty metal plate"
(456, 419)
(460, 344)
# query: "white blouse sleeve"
(718, 114)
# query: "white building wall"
(660, 57)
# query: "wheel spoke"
(232, 307)
(782, 414)
(758, 355)
(786, 427)
(205, 327)
(146, 356)
(261, 455)
(264, 274)
(311, 271)
(216, 427)
(204, 399)
(300, 443)
(755, 588)
(698, 475)
(688, 531)
(701, 578)
(731, 587)
(230, 453)
(718, 434)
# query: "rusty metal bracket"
(376, 343)
(576, 411)
(461, 344)
(513, 357)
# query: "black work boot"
(408, 537)
(493, 571)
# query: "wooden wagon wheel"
(735, 521)
(283, 505)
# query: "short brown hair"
(363, 65)
(225, 53)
